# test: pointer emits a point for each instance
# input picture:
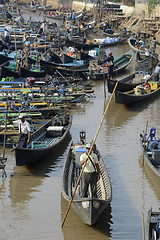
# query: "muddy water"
(30, 198)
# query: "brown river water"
(30, 198)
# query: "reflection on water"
(27, 179)
(32, 196)
(151, 177)
(74, 227)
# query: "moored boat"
(48, 138)
(146, 62)
(132, 43)
(127, 83)
(151, 150)
(152, 226)
(120, 63)
(135, 95)
(90, 208)
(92, 45)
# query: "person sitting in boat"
(147, 51)
(147, 86)
(24, 130)
(156, 73)
(110, 60)
(91, 172)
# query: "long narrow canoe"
(126, 84)
(131, 98)
(37, 73)
(48, 138)
(120, 64)
(88, 209)
(132, 41)
(152, 226)
(73, 65)
(146, 62)
(91, 45)
(151, 151)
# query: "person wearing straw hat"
(24, 130)
(90, 173)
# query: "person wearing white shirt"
(7, 36)
(24, 130)
(90, 172)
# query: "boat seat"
(50, 141)
(37, 139)
(12, 65)
(153, 219)
(38, 144)
(121, 61)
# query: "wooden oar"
(104, 80)
(88, 156)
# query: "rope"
(88, 156)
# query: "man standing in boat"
(24, 130)
(91, 172)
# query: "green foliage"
(151, 6)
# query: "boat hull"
(87, 209)
(92, 45)
(124, 98)
(29, 156)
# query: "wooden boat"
(91, 45)
(48, 138)
(55, 15)
(132, 41)
(110, 33)
(151, 150)
(9, 69)
(120, 64)
(75, 64)
(36, 73)
(88, 209)
(127, 83)
(137, 95)
(146, 62)
(52, 69)
(4, 58)
(152, 226)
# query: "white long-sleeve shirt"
(23, 127)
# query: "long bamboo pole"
(104, 80)
(143, 226)
(88, 156)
